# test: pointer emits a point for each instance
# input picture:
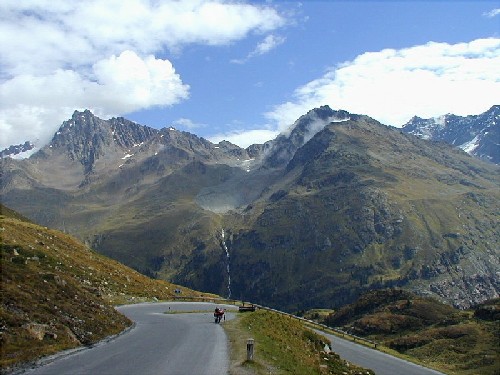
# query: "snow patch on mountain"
(475, 134)
(470, 146)
(24, 154)
(22, 151)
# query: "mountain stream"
(224, 246)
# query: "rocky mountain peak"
(475, 134)
(281, 150)
(85, 137)
(17, 150)
(314, 121)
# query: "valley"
(338, 205)
(59, 314)
(328, 172)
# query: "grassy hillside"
(457, 341)
(364, 207)
(58, 294)
(282, 346)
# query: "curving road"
(158, 344)
(179, 344)
(381, 363)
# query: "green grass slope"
(282, 346)
(57, 293)
(362, 206)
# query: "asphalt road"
(158, 344)
(189, 343)
(381, 363)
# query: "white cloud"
(492, 13)
(393, 85)
(188, 124)
(245, 138)
(34, 106)
(58, 55)
(128, 83)
(269, 43)
(61, 32)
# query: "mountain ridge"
(476, 134)
(18, 151)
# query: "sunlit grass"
(283, 345)
(58, 294)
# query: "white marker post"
(250, 345)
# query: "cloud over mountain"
(59, 56)
(393, 85)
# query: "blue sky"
(242, 71)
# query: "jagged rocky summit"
(477, 135)
(17, 150)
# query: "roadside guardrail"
(247, 306)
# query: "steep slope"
(476, 134)
(58, 294)
(364, 206)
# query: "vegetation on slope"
(456, 341)
(58, 294)
(364, 207)
(282, 346)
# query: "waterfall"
(224, 246)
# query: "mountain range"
(478, 135)
(17, 151)
(337, 205)
(475, 134)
